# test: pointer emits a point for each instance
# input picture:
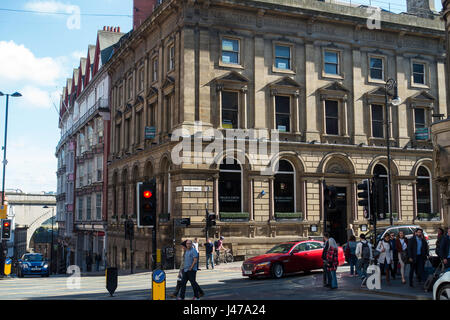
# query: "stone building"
(310, 77)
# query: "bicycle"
(226, 257)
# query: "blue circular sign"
(159, 276)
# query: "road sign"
(150, 132)
(8, 266)
(3, 211)
(158, 255)
(159, 285)
(183, 222)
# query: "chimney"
(142, 9)
(104, 28)
(421, 8)
(118, 29)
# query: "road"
(223, 283)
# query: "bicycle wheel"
(229, 258)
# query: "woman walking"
(386, 257)
(350, 254)
(401, 244)
(332, 263)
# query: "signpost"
(3, 211)
(159, 285)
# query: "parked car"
(408, 230)
(288, 257)
(441, 288)
(33, 264)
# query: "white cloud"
(50, 7)
(18, 63)
(79, 54)
(38, 98)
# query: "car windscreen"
(281, 248)
(33, 258)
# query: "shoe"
(179, 298)
(201, 294)
(403, 281)
(195, 298)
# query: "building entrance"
(337, 217)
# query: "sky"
(38, 51)
(37, 54)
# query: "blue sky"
(37, 53)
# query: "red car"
(288, 257)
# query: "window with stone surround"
(155, 69)
(424, 198)
(283, 57)
(284, 188)
(230, 109)
(230, 186)
(331, 117)
(377, 120)
(171, 64)
(376, 68)
(331, 62)
(230, 51)
(283, 113)
(418, 70)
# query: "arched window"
(284, 187)
(423, 191)
(230, 187)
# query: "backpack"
(365, 251)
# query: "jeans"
(189, 276)
(418, 266)
(332, 279)
(353, 260)
(209, 258)
(362, 267)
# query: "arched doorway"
(424, 194)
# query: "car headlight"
(263, 264)
(45, 266)
(25, 266)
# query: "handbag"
(404, 257)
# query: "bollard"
(111, 280)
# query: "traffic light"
(210, 218)
(330, 196)
(146, 203)
(365, 198)
(6, 229)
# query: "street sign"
(150, 132)
(183, 222)
(159, 285)
(422, 134)
(3, 211)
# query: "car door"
(315, 254)
(299, 259)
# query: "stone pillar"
(312, 61)
(261, 203)
(358, 91)
(402, 119)
(260, 69)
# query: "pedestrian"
(350, 254)
(189, 271)
(440, 235)
(180, 272)
(218, 245)
(394, 264)
(364, 255)
(326, 237)
(417, 253)
(89, 262)
(385, 259)
(445, 249)
(195, 245)
(98, 259)
(332, 263)
(209, 249)
(401, 245)
(350, 231)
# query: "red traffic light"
(147, 194)
(6, 224)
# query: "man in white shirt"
(195, 245)
(364, 254)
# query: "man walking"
(195, 245)
(444, 248)
(190, 271)
(209, 248)
(394, 264)
(417, 253)
(364, 254)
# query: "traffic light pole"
(154, 248)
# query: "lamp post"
(390, 84)
(3, 246)
(51, 247)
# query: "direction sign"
(183, 222)
(159, 285)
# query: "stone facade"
(170, 74)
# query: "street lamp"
(391, 84)
(3, 242)
(15, 95)
(51, 247)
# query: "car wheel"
(443, 292)
(277, 270)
